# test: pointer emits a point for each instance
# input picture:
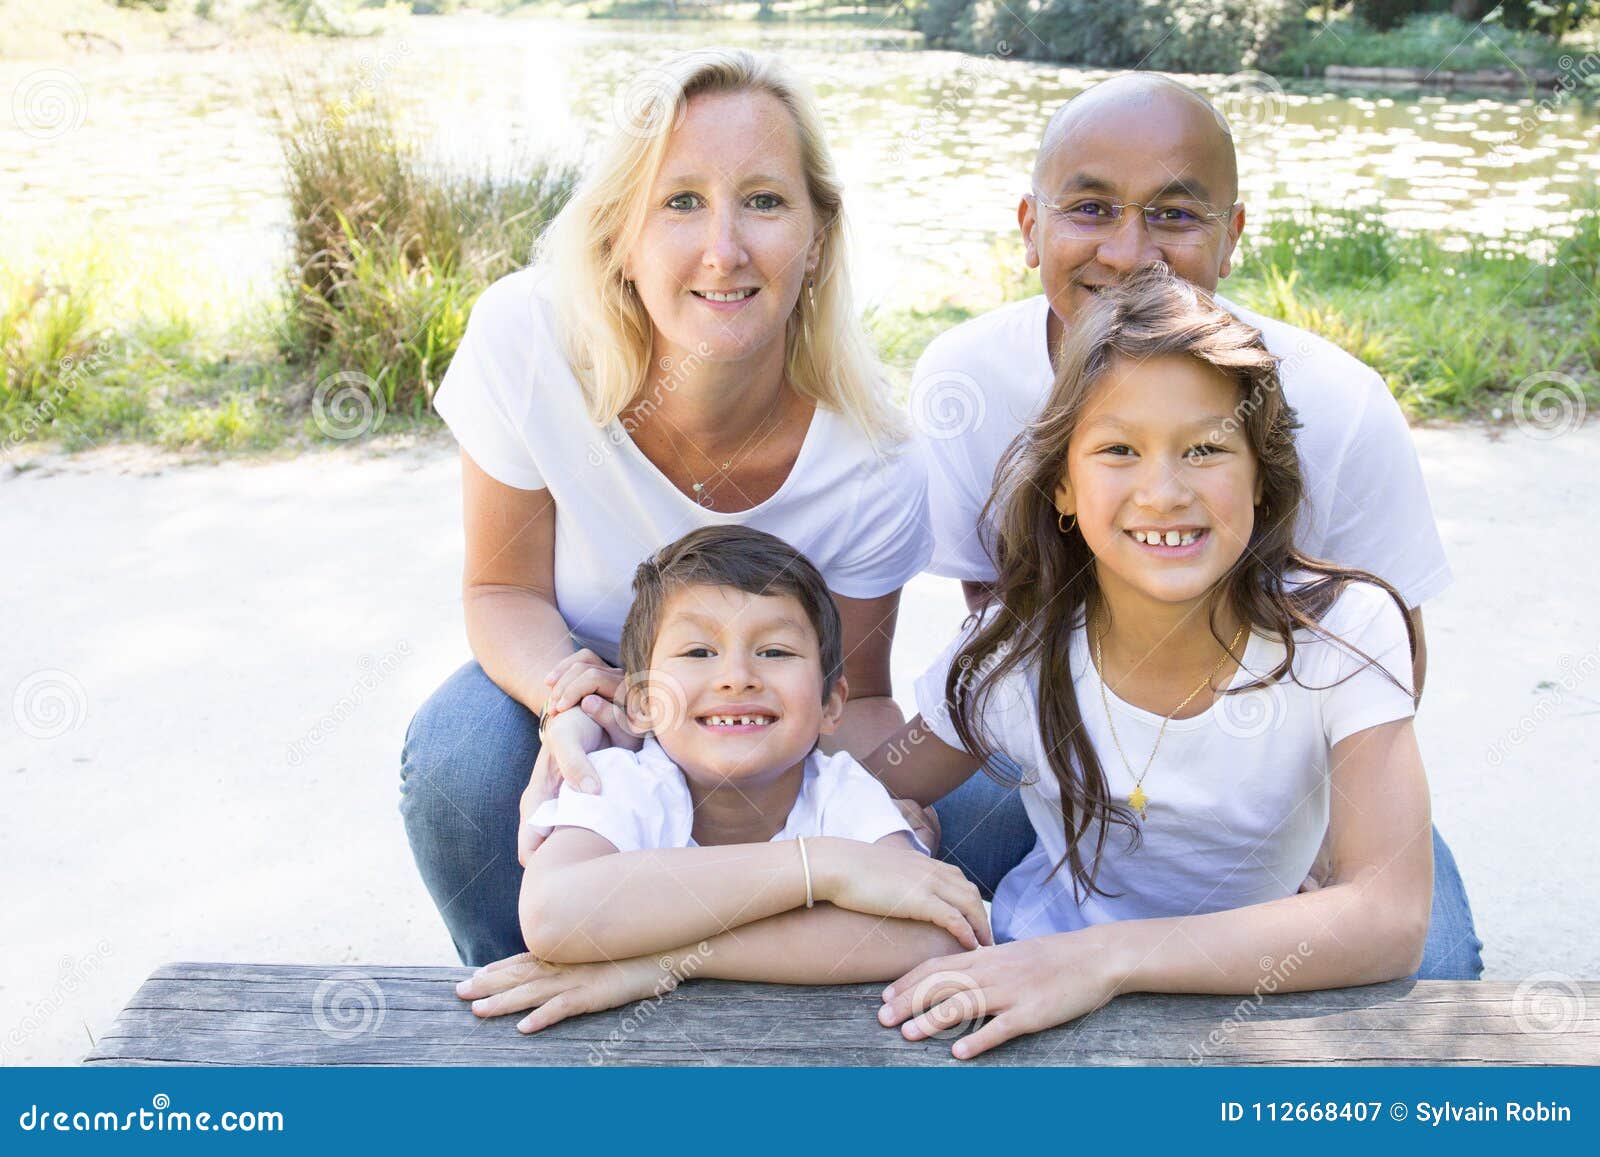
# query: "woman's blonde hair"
(606, 334)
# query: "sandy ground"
(179, 778)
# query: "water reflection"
(177, 150)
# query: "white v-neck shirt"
(1366, 504)
(514, 405)
(1238, 796)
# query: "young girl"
(1191, 702)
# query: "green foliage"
(1286, 37)
(1454, 324)
(1552, 18)
(1383, 15)
(1170, 35)
(389, 252)
(1421, 42)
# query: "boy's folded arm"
(821, 945)
(582, 900)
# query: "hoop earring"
(1061, 523)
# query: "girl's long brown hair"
(1047, 580)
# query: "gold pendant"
(1138, 800)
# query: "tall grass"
(1452, 323)
(389, 252)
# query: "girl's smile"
(1185, 542)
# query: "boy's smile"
(746, 673)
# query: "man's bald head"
(1145, 97)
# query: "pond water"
(175, 154)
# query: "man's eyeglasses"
(1175, 223)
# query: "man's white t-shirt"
(514, 405)
(644, 802)
(1237, 796)
(1366, 503)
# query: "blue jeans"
(986, 833)
(468, 754)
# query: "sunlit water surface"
(177, 157)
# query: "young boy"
(729, 816)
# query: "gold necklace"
(701, 495)
(1136, 798)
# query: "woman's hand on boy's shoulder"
(563, 755)
(555, 992)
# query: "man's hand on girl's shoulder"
(924, 822)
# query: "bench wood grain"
(280, 1014)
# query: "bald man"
(1118, 162)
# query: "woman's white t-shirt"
(644, 802)
(1237, 796)
(514, 405)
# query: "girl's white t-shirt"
(1237, 796)
(644, 802)
(514, 405)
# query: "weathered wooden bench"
(278, 1014)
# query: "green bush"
(1421, 42)
(388, 252)
(1167, 35)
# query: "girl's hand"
(557, 991)
(564, 755)
(883, 880)
(1023, 986)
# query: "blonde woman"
(684, 352)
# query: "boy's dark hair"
(748, 560)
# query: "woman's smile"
(724, 301)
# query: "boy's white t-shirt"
(515, 406)
(644, 802)
(1366, 503)
(1237, 796)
